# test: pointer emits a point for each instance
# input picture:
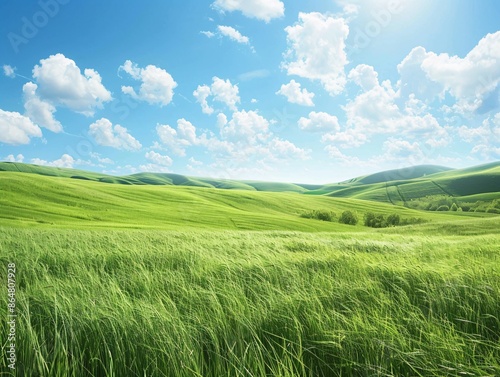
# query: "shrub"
(443, 208)
(369, 219)
(412, 220)
(493, 210)
(393, 220)
(349, 218)
(454, 207)
(319, 215)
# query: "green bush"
(443, 208)
(319, 215)
(412, 221)
(348, 218)
(393, 219)
(454, 207)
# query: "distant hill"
(402, 174)
(399, 186)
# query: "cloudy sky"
(310, 91)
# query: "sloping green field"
(35, 200)
(166, 275)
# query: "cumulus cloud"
(9, 71)
(470, 80)
(201, 94)
(40, 112)
(117, 137)
(294, 94)
(246, 125)
(16, 129)
(221, 91)
(286, 149)
(319, 122)
(176, 140)
(157, 85)
(264, 10)
(66, 161)
(376, 111)
(61, 82)
(12, 158)
(158, 159)
(316, 50)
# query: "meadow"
(148, 280)
(416, 302)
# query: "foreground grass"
(230, 303)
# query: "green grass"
(412, 301)
(35, 200)
(157, 276)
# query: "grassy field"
(172, 280)
(35, 200)
(412, 301)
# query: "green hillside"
(421, 187)
(451, 183)
(28, 199)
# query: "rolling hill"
(47, 201)
(69, 197)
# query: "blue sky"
(311, 92)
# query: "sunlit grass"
(397, 302)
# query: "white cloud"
(158, 159)
(489, 130)
(208, 34)
(186, 131)
(319, 122)
(157, 85)
(375, 111)
(101, 160)
(286, 149)
(335, 154)
(17, 129)
(221, 120)
(317, 50)
(246, 125)
(201, 94)
(12, 158)
(225, 92)
(233, 34)
(177, 139)
(350, 138)
(221, 91)
(397, 150)
(61, 82)
(66, 161)
(116, 137)
(470, 80)
(151, 168)
(264, 10)
(40, 112)
(364, 76)
(294, 94)
(9, 71)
